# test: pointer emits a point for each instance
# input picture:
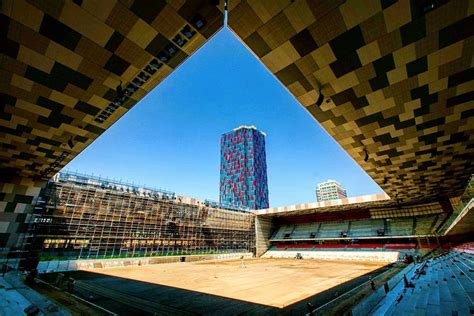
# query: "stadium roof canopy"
(464, 222)
(391, 81)
(339, 205)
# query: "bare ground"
(271, 282)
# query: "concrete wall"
(263, 231)
(379, 256)
(87, 264)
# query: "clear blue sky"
(170, 139)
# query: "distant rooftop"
(249, 127)
(329, 181)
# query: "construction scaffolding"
(79, 216)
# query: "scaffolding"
(81, 216)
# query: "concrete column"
(17, 198)
(263, 232)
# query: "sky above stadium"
(170, 139)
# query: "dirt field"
(271, 282)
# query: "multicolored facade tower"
(244, 169)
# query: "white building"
(330, 190)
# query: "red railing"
(330, 246)
(366, 246)
(400, 246)
(290, 246)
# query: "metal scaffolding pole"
(105, 218)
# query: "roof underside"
(345, 204)
(61, 63)
(464, 222)
(397, 83)
(396, 77)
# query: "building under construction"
(79, 216)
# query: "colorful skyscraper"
(244, 169)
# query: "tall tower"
(244, 169)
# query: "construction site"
(82, 217)
(390, 81)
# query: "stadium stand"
(332, 229)
(411, 226)
(304, 231)
(365, 228)
(400, 227)
(423, 225)
(467, 247)
(441, 285)
(284, 232)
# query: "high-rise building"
(330, 190)
(243, 181)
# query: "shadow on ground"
(131, 297)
